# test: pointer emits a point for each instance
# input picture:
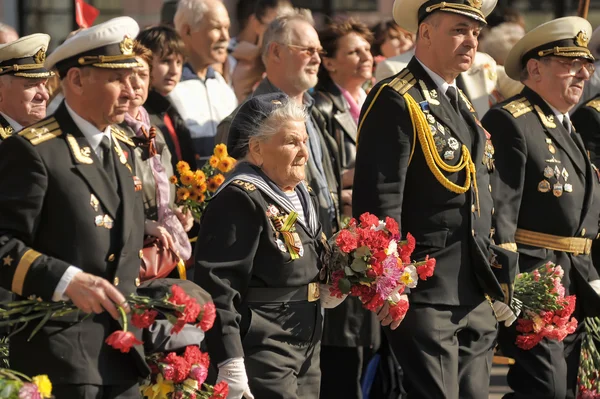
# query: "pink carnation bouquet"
(369, 261)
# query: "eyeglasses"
(308, 51)
(577, 65)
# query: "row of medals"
(100, 220)
(558, 188)
(444, 146)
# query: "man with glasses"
(546, 191)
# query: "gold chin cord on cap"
(565, 52)
(16, 68)
(455, 7)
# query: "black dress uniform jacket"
(58, 208)
(393, 179)
(238, 259)
(586, 120)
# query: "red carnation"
(524, 325)
(168, 371)
(208, 316)
(220, 391)
(568, 306)
(182, 368)
(398, 311)
(145, 319)
(528, 341)
(346, 241)
(392, 226)
(178, 297)
(192, 354)
(122, 340)
(368, 220)
(426, 270)
(191, 311)
(407, 248)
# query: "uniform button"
(137, 281)
(493, 210)
(116, 281)
(598, 236)
(490, 187)
(141, 253)
(473, 208)
(473, 232)
(583, 232)
(111, 257)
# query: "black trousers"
(342, 370)
(127, 391)
(281, 350)
(547, 371)
(445, 351)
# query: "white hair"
(279, 30)
(189, 12)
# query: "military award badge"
(286, 237)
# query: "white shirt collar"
(90, 132)
(440, 82)
(13, 123)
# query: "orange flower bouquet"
(195, 188)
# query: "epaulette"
(42, 131)
(518, 107)
(403, 82)
(6, 132)
(121, 136)
(244, 184)
(594, 104)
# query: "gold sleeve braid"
(432, 157)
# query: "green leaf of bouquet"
(362, 251)
(348, 271)
(344, 285)
(359, 265)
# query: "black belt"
(308, 293)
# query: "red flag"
(85, 14)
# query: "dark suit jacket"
(450, 227)
(545, 183)
(48, 221)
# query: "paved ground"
(498, 385)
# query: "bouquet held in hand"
(545, 312)
(370, 262)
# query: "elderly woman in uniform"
(258, 255)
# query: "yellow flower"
(182, 167)
(173, 179)
(199, 177)
(160, 390)
(221, 151)
(44, 385)
(213, 161)
(212, 185)
(182, 194)
(187, 178)
(406, 279)
(219, 179)
(226, 164)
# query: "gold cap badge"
(582, 39)
(126, 45)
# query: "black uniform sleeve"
(227, 243)
(508, 179)
(23, 184)
(587, 122)
(383, 152)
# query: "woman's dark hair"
(259, 8)
(335, 30)
(162, 40)
(381, 32)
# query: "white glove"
(596, 286)
(233, 372)
(504, 313)
(329, 301)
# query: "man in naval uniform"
(72, 219)
(546, 191)
(424, 160)
(23, 78)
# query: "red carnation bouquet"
(177, 307)
(545, 312)
(179, 377)
(369, 261)
(588, 375)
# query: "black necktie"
(453, 96)
(567, 124)
(108, 161)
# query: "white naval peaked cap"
(562, 37)
(410, 13)
(107, 45)
(25, 57)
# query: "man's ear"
(75, 78)
(533, 70)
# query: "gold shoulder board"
(244, 184)
(594, 104)
(121, 136)
(42, 131)
(518, 107)
(403, 82)
(6, 132)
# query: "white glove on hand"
(329, 301)
(504, 313)
(596, 286)
(233, 372)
